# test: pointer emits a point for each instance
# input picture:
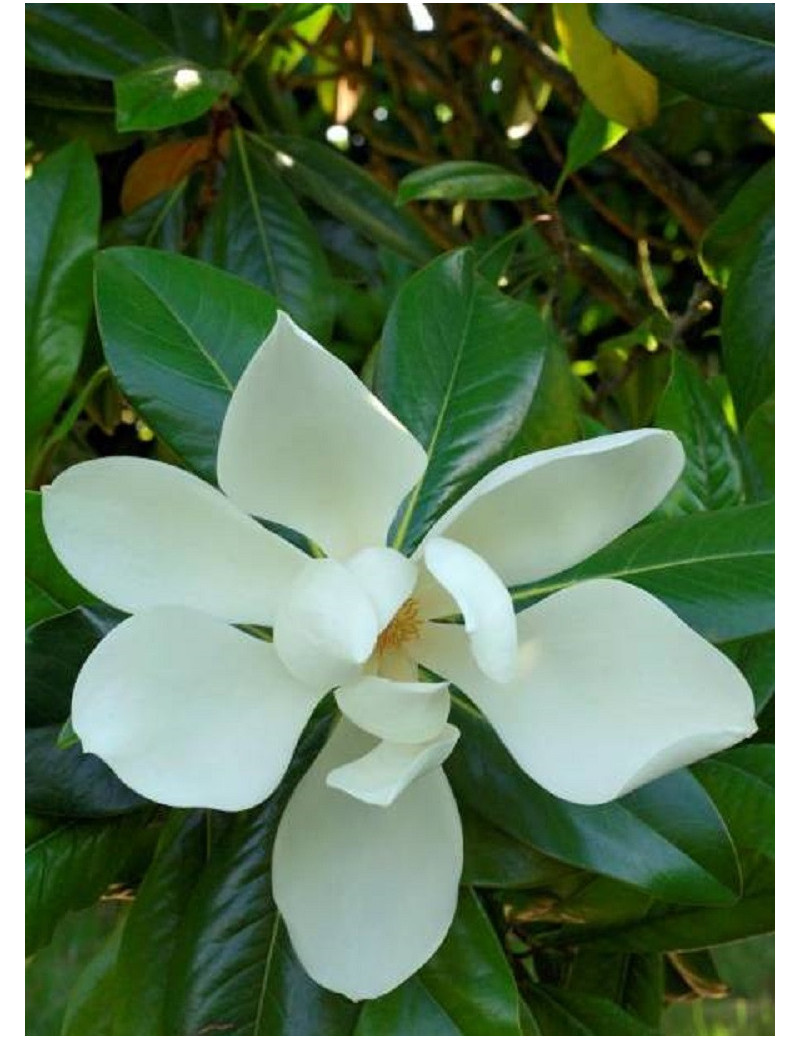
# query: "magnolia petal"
(326, 627)
(404, 712)
(396, 665)
(484, 603)
(539, 514)
(381, 776)
(612, 690)
(367, 893)
(140, 534)
(306, 444)
(387, 577)
(189, 711)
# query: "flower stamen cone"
(404, 627)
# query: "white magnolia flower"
(594, 690)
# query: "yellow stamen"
(403, 627)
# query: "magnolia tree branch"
(682, 197)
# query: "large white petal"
(306, 444)
(612, 691)
(387, 577)
(539, 514)
(381, 775)
(190, 711)
(140, 534)
(405, 712)
(326, 626)
(484, 603)
(367, 893)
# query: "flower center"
(403, 627)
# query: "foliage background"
(324, 154)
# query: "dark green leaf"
(713, 477)
(89, 1011)
(721, 53)
(70, 867)
(759, 435)
(748, 321)
(258, 231)
(592, 135)
(741, 783)
(639, 839)
(349, 193)
(464, 180)
(715, 570)
(408, 1010)
(234, 969)
(193, 30)
(733, 228)
(178, 335)
(344, 11)
(634, 982)
(462, 390)
(167, 92)
(91, 39)
(62, 213)
(493, 859)
(755, 658)
(560, 1012)
(159, 222)
(151, 931)
(553, 417)
(49, 589)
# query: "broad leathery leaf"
(194, 31)
(466, 988)
(464, 180)
(759, 436)
(741, 783)
(151, 930)
(167, 92)
(614, 83)
(71, 866)
(177, 335)
(459, 387)
(159, 222)
(49, 589)
(347, 191)
(639, 839)
(713, 477)
(89, 39)
(234, 969)
(755, 659)
(90, 1007)
(715, 570)
(734, 227)
(593, 134)
(720, 53)
(559, 1012)
(62, 215)
(748, 322)
(258, 231)
(554, 415)
(635, 980)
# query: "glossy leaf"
(734, 227)
(464, 180)
(759, 435)
(741, 782)
(90, 39)
(559, 1012)
(49, 589)
(755, 658)
(70, 867)
(614, 83)
(167, 92)
(258, 231)
(593, 134)
(194, 31)
(408, 1010)
(151, 930)
(460, 389)
(635, 982)
(62, 213)
(713, 477)
(720, 53)
(349, 193)
(177, 335)
(493, 859)
(748, 322)
(638, 839)
(252, 980)
(716, 571)
(90, 1006)
(160, 221)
